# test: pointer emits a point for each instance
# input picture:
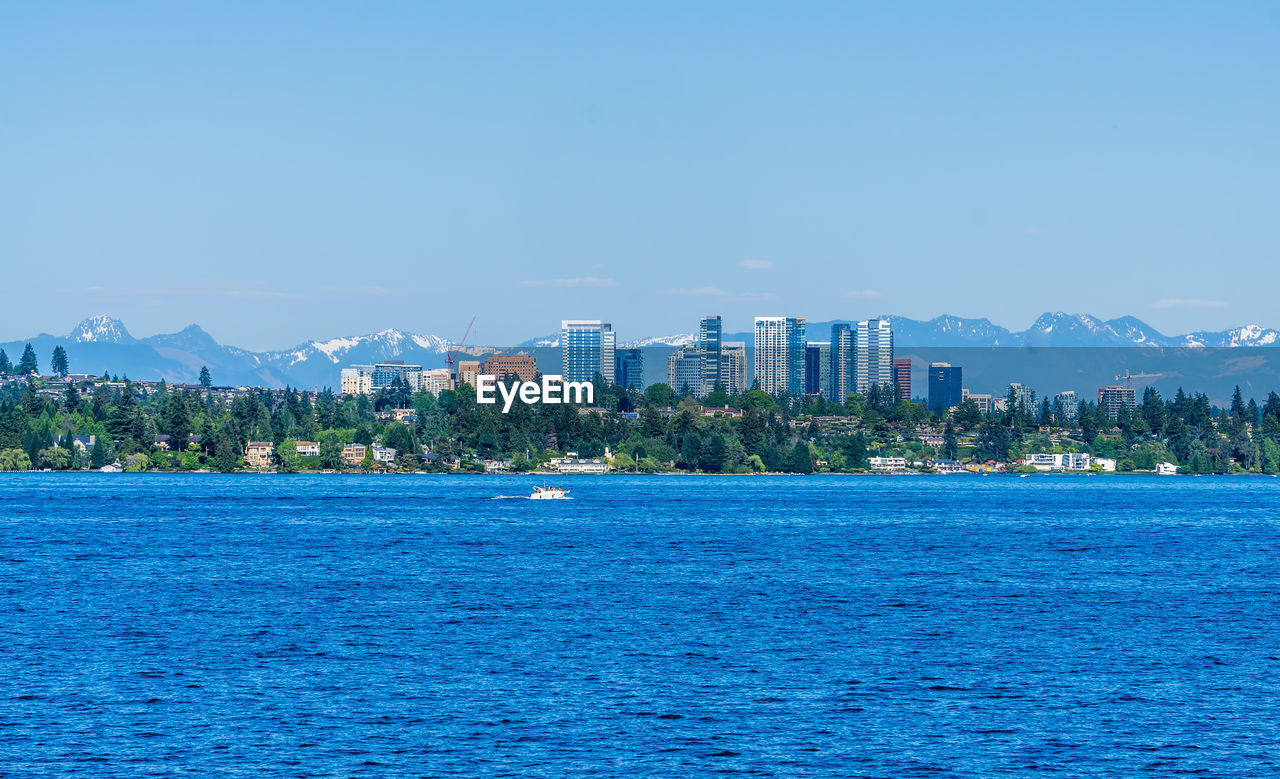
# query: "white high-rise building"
(587, 348)
(779, 350)
(873, 354)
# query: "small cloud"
(706, 292)
(716, 292)
(862, 294)
(580, 281)
(1188, 303)
(756, 264)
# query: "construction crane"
(449, 357)
(1128, 377)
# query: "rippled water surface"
(785, 626)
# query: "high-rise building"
(817, 369)
(586, 348)
(902, 377)
(733, 367)
(709, 331)
(628, 368)
(985, 403)
(437, 380)
(522, 366)
(945, 385)
(1066, 404)
(873, 354)
(467, 372)
(367, 379)
(1110, 399)
(684, 370)
(779, 348)
(841, 363)
(1024, 398)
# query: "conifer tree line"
(660, 431)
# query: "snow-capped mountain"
(680, 339)
(1060, 329)
(384, 345)
(102, 343)
(100, 329)
(1250, 335)
(549, 341)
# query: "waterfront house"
(384, 455)
(307, 448)
(1166, 469)
(257, 454)
(353, 454)
(1066, 461)
(578, 465)
(888, 463)
(946, 466)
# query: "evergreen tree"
(206, 380)
(5, 365)
(801, 459)
(59, 361)
(27, 365)
(227, 456)
(100, 454)
(950, 445)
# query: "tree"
(54, 458)
(801, 459)
(660, 395)
(950, 445)
(993, 441)
(27, 365)
(1269, 459)
(14, 460)
(398, 437)
(330, 449)
(967, 415)
(712, 453)
(206, 380)
(101, 453)
(174, 421)
(71, 397)
(290, 460)
(5, 365)
(227, 455)
(59, 361)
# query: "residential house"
(888, 463)
(353, 454)
(308, 448)
(257, 454)
(578, 465)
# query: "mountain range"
(102, 343)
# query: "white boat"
(549, 493)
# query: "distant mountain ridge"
(101, 343)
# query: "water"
(784, 626)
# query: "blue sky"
(277, 172)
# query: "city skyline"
(220, 167)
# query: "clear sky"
(283, 171)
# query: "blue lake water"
(785, 626)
